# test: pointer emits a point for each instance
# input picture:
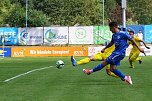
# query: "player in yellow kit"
(97, 57)
(134, 54)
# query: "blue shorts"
(115, 59)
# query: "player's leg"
(73, 60)
(100, 66)
(140, 60)
(136, 57)
(130, 60)
(120, 74)
(83, 61)
(114, 61)
(95, 57)
(95, 69)
(116, 71)
(133, 58)
(108, 66)
(109, 72)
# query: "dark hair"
(119, 28)
(128, 30)
(113, 24)
(131, 32)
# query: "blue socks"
(99, 67)
(119, 73)
(116, 71)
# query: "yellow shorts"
(99, 57)
(133, 55)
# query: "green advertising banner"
(101, 36)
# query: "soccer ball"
(59, 64)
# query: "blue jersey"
(120, 41)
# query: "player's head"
(128, 30)
(140, 31)
(131, 33)
(113, 27)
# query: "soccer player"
(119, 38)
(96, 57)
(134, 54)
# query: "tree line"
(69, 12)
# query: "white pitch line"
(25, 73)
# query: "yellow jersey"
(137, 40)
(108, 51)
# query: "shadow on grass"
(99, 82)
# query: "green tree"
(68, 12)
(17, 17)
(141, 10)
(64, 12)
(5, 6)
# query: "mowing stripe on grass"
(25, 73)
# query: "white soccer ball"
(59, 64)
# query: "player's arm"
(145, 44)
(109, 45)
(134, 43)
(129, 43)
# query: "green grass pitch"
(71, 84)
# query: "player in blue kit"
(119, 38)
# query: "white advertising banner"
(55, 35)
(31, 36)
(81, 35)
(93, 50)
(148, 52)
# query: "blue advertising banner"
(138, 29)
(148, 33)
(7, 52)
(10, 36)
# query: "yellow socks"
(83, 61)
